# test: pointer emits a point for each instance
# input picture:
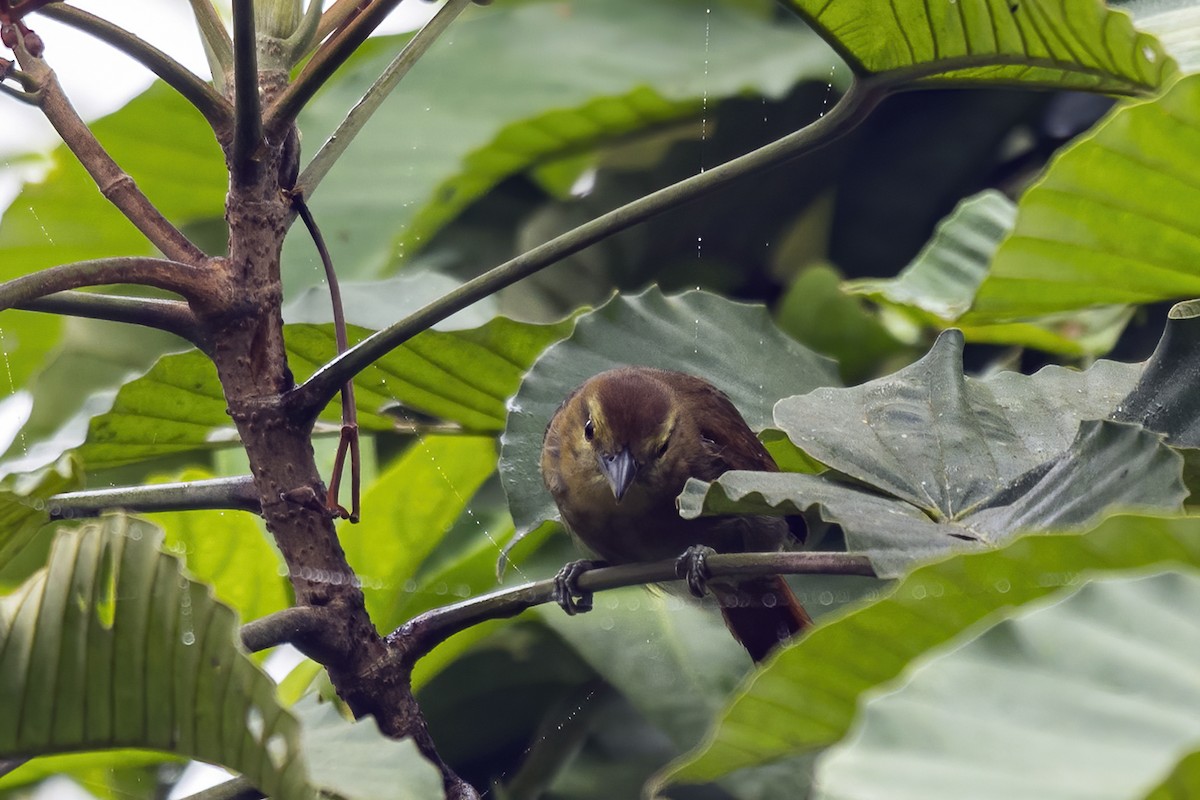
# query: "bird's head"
(626, 419)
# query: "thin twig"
(215, 109)
(348, 438)
(316, 392)
(336, 15)
(217, 44)
(234, 494)
(357, 119)
(191, 282)
(117, 186)
(173, 316)
(427, 630)
(247, 119)
(320, 68)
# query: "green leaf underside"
(1089, 696)
(735, 346)
(806, 697)
(112, 646)
(1095, 228)
(459, 376)
(1066, 43)
(478, 110)
(354, 760)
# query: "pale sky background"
(99, 80)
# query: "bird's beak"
(620, 469)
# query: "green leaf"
(355, 761)
(1076, 44)
(1089, 696)
(938, 461)
(1113, 220)
(232, 552)
(65, 218)
(818, 314)
(1183, 783)
(1176, 23)
(1110, 465)
(113, 646)
(735, 346)
(1164, 398)
(940, 284)
(413, 506)
(462, 376)
(805, 697)
(942, 279)
(479, 109)
(25, 508)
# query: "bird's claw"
(567, 593)
(692, 566)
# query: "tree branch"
(172, 316)
(216, 109)
(236, 789)
(354, 122)
(247, 119)
(329, 56)
(424, 632)
(320, 388)
(118, 187)
(236, 494)
(302, 626)
(189, 281)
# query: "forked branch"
(172, 316)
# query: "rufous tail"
(761, 613)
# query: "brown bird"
(616, 455)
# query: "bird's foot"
(692, 566)
(567, 593)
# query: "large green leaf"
(230, 551)
(462, 376)
(520, 85)
(1076, 44)
(355, 761)
(735, 346)
(926, 460)
(1113, 220)
(1183, 783)
(1091, 696)
(806, 697)
(113, 646)
(413, 506)
(939, 286)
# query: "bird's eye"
(589, 430)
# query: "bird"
(616, 455)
